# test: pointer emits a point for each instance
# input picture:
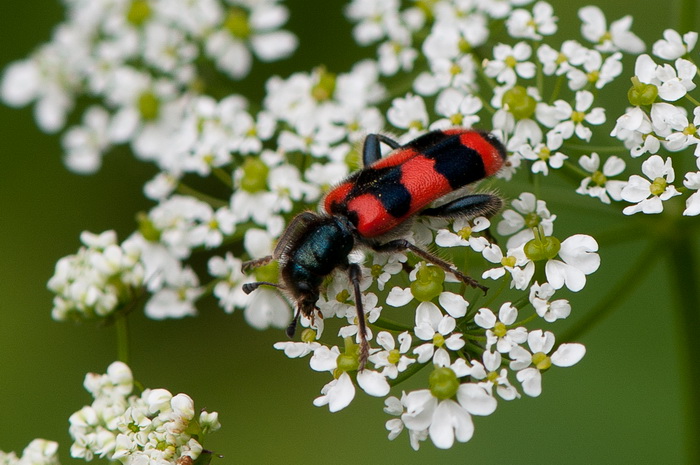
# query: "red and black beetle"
(372, 208)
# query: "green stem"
(121, 324)
(223, 176)
(539, 76)
(184, 189)
(575, 171)
(492, 296)
(389, 325)
(617, 294)
(524, 321)
(209, 288)
(684, 272)
(410, 371)
(557, 88)
(596, 148)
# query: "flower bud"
(443, 383)
(428, 283)
(519, 102)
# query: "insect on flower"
(373, 207)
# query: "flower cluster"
(38, 452)
(656, 120)
(265, 163)
(97, 281)
(476, 355)
(140, 61)
(153, 427)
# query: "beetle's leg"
(257, 262)
(371, 151)
(398, 245)
(291, 329)
(469, 206)
(355, 275)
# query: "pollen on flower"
(541, 361)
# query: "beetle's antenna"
(250, 287)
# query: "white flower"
(397, 54)
(392, 360)
(46, 79)
(433, 326)
(494, 374)
(255, 29)
(213, 227)
(674, 46)
(509, 62)
(685, 134)
(672, 82)
(550, 311)
(514, 262)
(544, 156)
(523, 24)
(496, 328)
(266, 308)
(84, 145)
(177, 299)
(373, 383)
(463, 234)
(618, 37)
(499, 9)
(692, 204)
(450, 421)
(372, 17)
(38, 452)
(578, 259)
(594, 70)
(452, 29)
(569, 121)
(229, 290)
(457, 108)
(119, 426)
(598, 185)
(297, 349)
(445, 421)
(650, 195)
(541, 343)
(408, 113)
(285, 181)
(634, 128)
(558, 62)
(386, 265)
(337, 394)
(447, 73)
(665, 118)
(167, 49)
(527, 212)
(371, 313)
(98, 279)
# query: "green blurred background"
(622, 404)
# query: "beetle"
(373, 208)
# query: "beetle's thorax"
(320, 246)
